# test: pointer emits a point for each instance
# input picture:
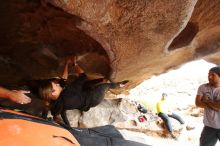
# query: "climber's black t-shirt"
(72, 97)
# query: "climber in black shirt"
(58, 99)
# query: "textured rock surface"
(121, 39)
(122, 113)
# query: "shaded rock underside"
(118, 39)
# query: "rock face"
(122, 113)
(119, 39)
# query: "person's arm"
(204, 103)
(65, 70)
(17, 96)
(215, 105)
(199, 102)
(77, 69)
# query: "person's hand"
(71, 60)
(19, 96)
(75, 60)
(68, 60)
(205, 99)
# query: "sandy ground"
(181, 86)
(186, 138)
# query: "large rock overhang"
(131, 39)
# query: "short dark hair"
(216, 70)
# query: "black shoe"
(142, 109)
(189, 127)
